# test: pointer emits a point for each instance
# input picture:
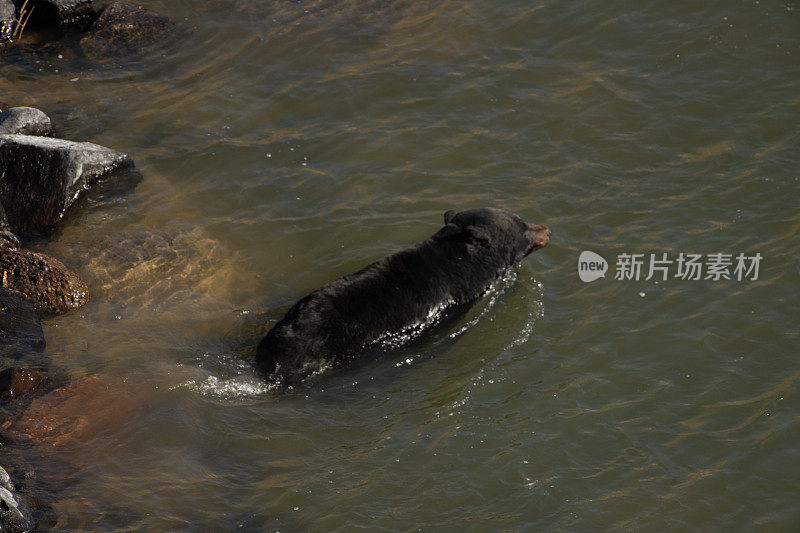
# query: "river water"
(284, 144)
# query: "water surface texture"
(284, 144)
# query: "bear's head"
(497, 231)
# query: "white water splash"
(236, 388)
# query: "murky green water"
(284, 144)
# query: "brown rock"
(18, 382)
(80, 410)
(52, 287)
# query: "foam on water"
(236, 388)
(224, 376)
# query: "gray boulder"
(15, 516)
(7, 20)
(25, 120)
(42, 177)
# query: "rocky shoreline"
(41, 178)
(15, 515)
(105, 28)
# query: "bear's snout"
(538, 235)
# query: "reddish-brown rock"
(51, 286)
(18, 382)
(80, 410)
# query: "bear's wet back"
(402, 293)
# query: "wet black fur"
(452, 268)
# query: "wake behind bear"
(398, 296)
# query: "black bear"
(398, 296)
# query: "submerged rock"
(20, 328)
(122, 27)
(42, 177)
(80, 410)
(18, 382)
(25, 120)
(15, 516)
(51, 286)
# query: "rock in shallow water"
(42, 177)
(25, 120)
(15, 517)
(82, 409)
(123, 27)
(52, 287)
(18, 382)
(20, 328)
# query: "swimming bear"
(398, 296)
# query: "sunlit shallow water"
(287, 144)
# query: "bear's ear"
(448, 216)
(478, 235)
